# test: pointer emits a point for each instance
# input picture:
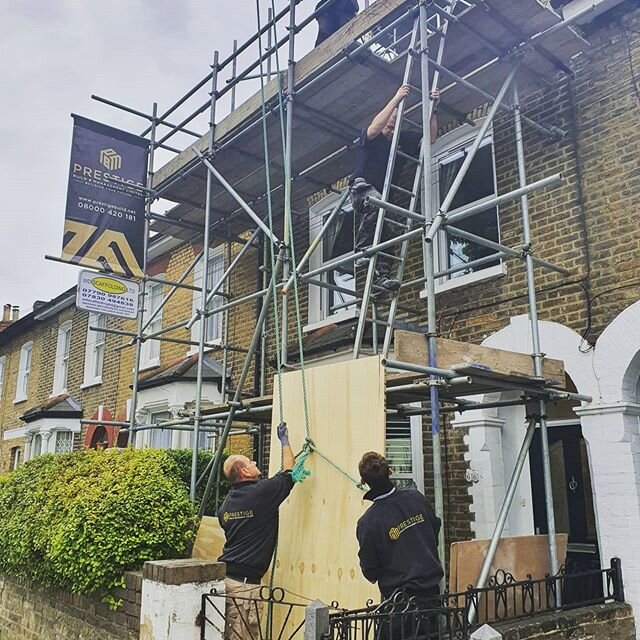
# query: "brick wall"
(30, 612)
(601, 622)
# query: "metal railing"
(273, 614)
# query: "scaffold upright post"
(202, 328)
(142, 298)
(288, 161)
(535, 334)
(429, 269)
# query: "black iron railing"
(455, 616)
(270, 614)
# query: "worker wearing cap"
(249, 518)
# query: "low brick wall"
(31, 612)
(600, 622)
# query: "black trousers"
(411, 616)
(366, 216)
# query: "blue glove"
(283, 434)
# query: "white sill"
(19, 400)
(334, 319)
(214, 343)
(56, 393)
(150, 364)
(91, 383)
(476, 277)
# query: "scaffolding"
(306, 120)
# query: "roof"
(42, 312)
(62, 406)
(182, 369)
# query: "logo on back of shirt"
(400, 528)
(237, 515)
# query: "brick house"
(590, 319)
(54, 372)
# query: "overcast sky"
(54, 54)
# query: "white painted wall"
(169, 612)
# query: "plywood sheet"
(521, 556)
(317, 550)
(209, 540)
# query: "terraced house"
(579, 103)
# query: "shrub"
(182, 458)
(78, 521)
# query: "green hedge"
(78, 521)
(182, 458)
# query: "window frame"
(448, 145)
(24, 372)
(57, 433)
(318, 296)
(3, 368)
(216, 257)
(61, 365)
(150, 349)
(15, 459)
(94, 350)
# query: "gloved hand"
(283, 434)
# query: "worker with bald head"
(249, 518)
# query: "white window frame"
(37, 437)
(214, 330)
(446, 146)
(56, 434)
(16, 456)
(317, 317)
(150, 351)
(3, 366)
(94, 351)
(61, 367)
(24, 372)
(416, 451)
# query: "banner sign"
(104, 218)
(101, 293)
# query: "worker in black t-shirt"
(398, 537)
(336, 15)
(249, 518)
(368, 176)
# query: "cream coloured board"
(317, 549)
(209, 540)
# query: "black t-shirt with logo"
(398, 538)
(373, 156)
(249, 517)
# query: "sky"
(54, 54)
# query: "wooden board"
(317, 549)
(518, 555)
(209, 540)
(473, 358)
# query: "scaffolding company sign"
(104, 217)
(100, 293)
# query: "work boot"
(362, 261)
(383, 281)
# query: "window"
(150, 354)
(16, 452)
(64, 442)
(213, 331)
(61, 369)
(36, 446)
(204, 440)
(94, 351)
(478, 186)
(24, 371)
(160, 438)
(404, 451)
(337, 242)
(3, 361)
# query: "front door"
(572, 493)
